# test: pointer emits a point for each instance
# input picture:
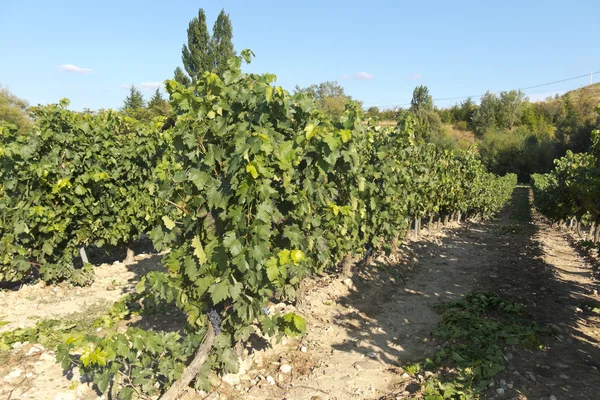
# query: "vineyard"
(249, 189)
(571, 192)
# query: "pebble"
(270, 380)
(553, 397)
(33, 350)
(563, 376)
(531, 376)
(348, 282)
(372, 355)
(14, 373)
(47, 357)
(500, 391)
(303, 349)
(65, 396)
(286, 368)
(232, 379)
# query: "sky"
(91, 51)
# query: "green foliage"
(73, 181)
(475, 331)
(50, 332)
(134, 102)
(221, 45)
(143, 362)
(572, 189)
(428, 124)
(196, 55)
(14, 111)
(181, 77)
(158, 106)
(204, 52)
(498, 112)
(421, 100)
(329, 98)
(263, 190)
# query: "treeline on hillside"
(513, 135)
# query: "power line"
(393, 104)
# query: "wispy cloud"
(71, 87)
(105, 88)
(359, 76)
(416, 76)
(364, 76)
(75, 69)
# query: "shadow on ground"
(394, 321)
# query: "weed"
(475, 329)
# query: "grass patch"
(475, 329)
(49, 332)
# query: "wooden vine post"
(190, 372)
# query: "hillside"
(590, 93)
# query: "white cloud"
(364, 76)
(71, 87)
(74, 68)
(346, 76)
(104, 88)
(416, 76)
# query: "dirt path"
(363, 330)
(360, 336)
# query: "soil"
(363, 330)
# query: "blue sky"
(379, 51)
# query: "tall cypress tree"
(196, 55)
(221, 46)
(181, 77)
(203, 52)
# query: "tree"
(196, 55)
(203, 52)
(182, 78)
(329, 96)
(158, 106)
(134, 105)
(14, 110)
(510, 106)
(134, 100)
(421, 100)
(221, 46)
(373, 111)
(485, 116)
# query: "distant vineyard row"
(571, 192)
(250, 188)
